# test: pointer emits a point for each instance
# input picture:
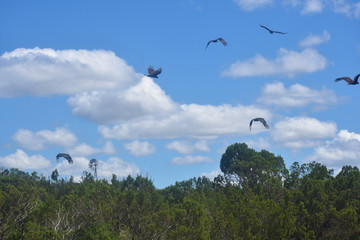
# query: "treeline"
(256, 198)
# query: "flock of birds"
(154, 74)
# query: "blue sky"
(72, 80)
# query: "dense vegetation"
(256, 198)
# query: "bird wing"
(264, 123)
(59, 156)
(64, 155)
(150, 70)
(279, 32)
(265, 27)
(222, 41)
(262, 120)
(356, 78)
(210, 42)
(347, 79)
(157, 72)
(251, 124)
(68, 157)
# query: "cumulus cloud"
(145, 99)
(41, 72)
(44, 138)
(84, 149)
(189, 159)
(343, 149)
(313, 6)
(249, 5)
(138, 148)
(313, 40)
(288, 63)
(191, 121)
(302, 132)
(61, 137)
(105, 169)
(297, 95)
(118, 167)
(186, 147)
(22, 161)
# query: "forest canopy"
(256, 197)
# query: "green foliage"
(252, 169)
(256, 198)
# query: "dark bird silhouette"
(64, 155)
(271, 31)
(349, 80)
(262, 120)
(215, 40)
(152, 73)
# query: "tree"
(55, 175)
(249, 168)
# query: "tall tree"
(250, 167)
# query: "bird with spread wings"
(215, 40)
(262, 120)
(152, 73)
(66, 156)
(349, 80)
(271, 31)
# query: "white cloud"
(186, 147)
(213, 174)
(189, 159)
(22, 161)
(61, 137)
(138, 148)
(105, 169)
(313, 40)
(302, 132)
(288, 63)
(41, 72)
(45, 138)
(192, 121)
(259, 144)
(343, 149)
(108, 148)
(118, 167)
(250, 5)
(349, 9)
(84, 149)
(145, 99)
(296, 95)
(313, 6)
(80, 164)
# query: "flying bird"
(152, 73)
(271, 31)
(349, 80)
(215, 40)
(64, 155)
(262, 120)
